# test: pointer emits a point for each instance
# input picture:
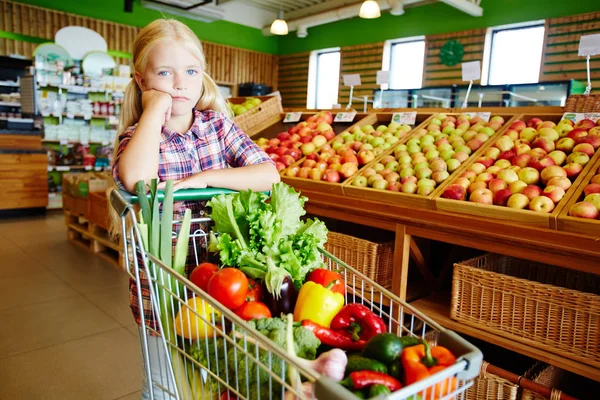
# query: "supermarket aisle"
(66, 331)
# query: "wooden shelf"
(437, 307)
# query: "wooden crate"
(98, 212)
(524, 217)
(415, 200)
(583, 226)
(279, 126)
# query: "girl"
(175, 125)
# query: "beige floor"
(66, 331)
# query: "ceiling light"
(369, 9)
(279, 26)
(397, 7)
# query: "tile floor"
(66, 331)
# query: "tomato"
(255, 291)
(324, 277)
(229, 286)
(253, 310)
(228, 396)
(202, 274)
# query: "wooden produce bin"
(583, 226)
(256, 119)
(522, 216)
(416, 200)
(374, 119)
(276, 128)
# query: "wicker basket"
(545, 375)
(374, 260)
(580, 103)
(269, 109)
(490, 386)
(551, 308)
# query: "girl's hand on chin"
(158, 102)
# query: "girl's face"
(172, 69)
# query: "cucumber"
(384, 347)
(378, 390)
(395, 370)
(358, 363)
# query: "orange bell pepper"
(421, 361)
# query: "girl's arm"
(139, 160)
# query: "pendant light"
(369, 10)
(279, 26)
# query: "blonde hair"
(131, 111)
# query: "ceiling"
(295, 9)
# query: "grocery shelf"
(437, 307)
(105, 142)
(9, 104)
(80, 89)
(98, 116)
(9, 84)
(67, 168)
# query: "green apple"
(452, 164)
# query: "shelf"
(80, 89)
(9, 84)
(437, 307)
(65, 142)
(98, 116)
(9, 104)
(67, 168)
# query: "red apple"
(482, 196)
(507, 155)
(304, 172)
(496, 185)
(486, 161)
(312, 156)
(348, 169)
(411, 178)
(522, 160)
(454, 192)
(532, 191)
(280, 166)
(583, 209)
(573, 169)
(560, 181)
(464, 182)
(586, 124)
(554, 193)
(541, 204)
(518, 125)
(543, 143)
(594, 141)
(591, 188)
(585, 148)
(534, 122)
(577, 133)
(331, 175)
(316, 174)
(485, 177)
(537, 153)
(294, 153)
(595, 179)
(541, 163)
(501, 197)
(287, 160)
(283, 136)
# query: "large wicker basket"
(374, 260)
(579, 103)
(545, 375)
(551, 308)
(259, 117)
(490, 386)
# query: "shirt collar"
(195, 129)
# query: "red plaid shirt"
(213, 142)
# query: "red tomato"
(228, 396)
(324, 277)
(202, 274)
(253, 310)
(255, 291)
(229, 286)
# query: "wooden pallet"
(93, 238)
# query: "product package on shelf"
(527, 175)
(414, 171)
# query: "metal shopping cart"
(240, 362)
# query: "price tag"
(589, 45)
(383, 77)
(292, 117)
(484, 116)
(344, 116)
(87, 117)
(88, 167)
(471, 71)
(45, 114)
(405, 118)
(50, 167)
(56, 114)
(105, 143)
(62, 168)
(98, 169)
(63, 142)
(352, 80)
(84, 141)
(576, 117)
(71, 116)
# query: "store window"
(324, 78)
(515, 54)
(406, 59)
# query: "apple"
(584, 209)
(507, 155)
(425, 190)
(348, 169)
(578, 158)
(292, 171)
(522, 148)
(504, 143)
(594, 131)
(482, 196)
(593, 141)
(528, 134)
(567, 122)
(421, 165)
(487, 161)
(452, 164)
(595, 179)
(308, 148)
(541, 204)
(548, 133)
(279, 166)
(319, 140)
(541, 163)
(586, 124)
(515, 168)
(394, 187)
(492, 152)
(470, 175)
(573, 169)
(331, 175)
(508, 176)
(316, 174)
(409, 187)
(529, 175)
(440, 176)
(392, 177)
(501, 197)
(494, 170)
(577, 133)
(454, 192)
(585, 148)
(477, 168)
(558, 157)
(565, 144)
(324, 156)
(534, 122)
(518, 200)
(502, 164)
(591, 188)
(438, 165)
(551, 172)
(560, 181)
(512, 134)
(543, 143)
(380, 184)
(537, 153)
(373, 178)
(563, 129)
(554, 193)
(532, 191)
(407, 172)
(522, 160)
(475, 185)
(461, 156)
(392, 165)
(322, 165)
(424, 173)
(593, 198)
(485, 177)
(517, 186)
(287, 160)
(496, 185)
(412, 179)
(304, 172)
(518, 125)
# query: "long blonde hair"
(131, 111)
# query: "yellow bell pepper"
(318, 303)
(190, 321)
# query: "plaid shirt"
(212, 142)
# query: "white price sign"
(383, 77)
(292, 117)
(344, 116)
(88, 167)
(104, 142)
(352, 80)
(471, 71)
(56, 114)
(589, 45)
(405, 118)
(576, 117)
(71, 116)
(62, 168)
(64, 142)
(483, 115)
(87, 117)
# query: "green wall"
(430, 19)
(113, 10)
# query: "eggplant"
(285, 303)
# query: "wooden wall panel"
(293, 79)
(366, 60)
(560, 61)
(438, 74)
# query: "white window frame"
(313, 67)
(489, 36)
(386, 64)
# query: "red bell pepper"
(362, 379)
(359, 321)
(332, 338)
(324, 277)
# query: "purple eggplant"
(285, 303)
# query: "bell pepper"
(324, 277)
(318, 303)
(333, 338)
(421, 361)
(359, 321)
(366, 379)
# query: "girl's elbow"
(274, 176)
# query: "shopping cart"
(240, 362)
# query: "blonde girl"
(175, 125)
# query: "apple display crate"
(542, 306)
(416, 200)
(271, 131)
(259, 117)
(500, 213)
(374, 119)
(584, 226)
